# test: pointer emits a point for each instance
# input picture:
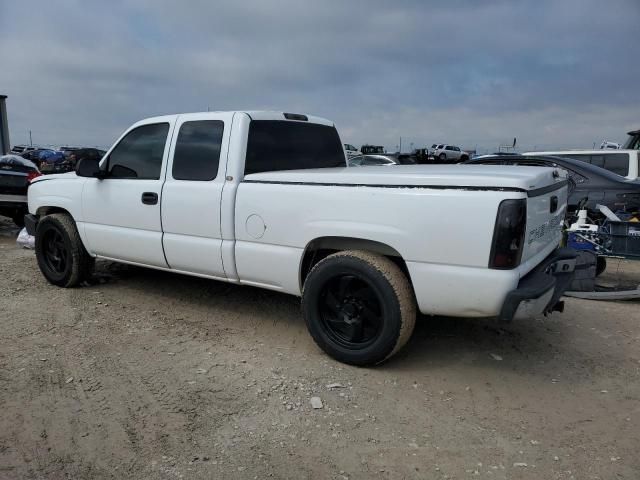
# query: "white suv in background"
(621, 162)
(449, 153)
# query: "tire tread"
(399, 283)
(82, 263)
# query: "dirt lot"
(153, 375)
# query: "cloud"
(471, 72)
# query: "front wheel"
(442, 157)
(61, 255)
(359, 307)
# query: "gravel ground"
(146, 374)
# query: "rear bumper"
(540, 290)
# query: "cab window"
(617, 163)
(197, 152)
(139, 154)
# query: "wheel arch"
(48, 210)
(321, 247)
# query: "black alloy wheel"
(359, 307)
(61, 256)
(55, 252)
(351, 311)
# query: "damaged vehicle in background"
(597, 185)
(625, 163)
(15, 175)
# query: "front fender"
(57, 192)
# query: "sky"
(551, 73)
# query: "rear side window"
(597, 160)
(284, 145)
(197, 153)
(617, 163)
(139, 153)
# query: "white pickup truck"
(265, 199)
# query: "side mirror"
(89, 167)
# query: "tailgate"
(546, 209)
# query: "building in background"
(4, 127)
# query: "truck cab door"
(192, 193)
(121, 213)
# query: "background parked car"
(89, 153)
(368, 160)
(421, 155)
(350, 150)
(625, 163)
(598, 185)
(34, 155)
(52, 161)
(372, 149)
(450, 153)
(15, 175)
(19, 149)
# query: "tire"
(601, 265)
(61, 255)
(464, 158)
(359, 307)
(443, 157)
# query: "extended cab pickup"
(265, 199)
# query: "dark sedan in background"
(15, 175)
(597, 185)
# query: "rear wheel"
(359, 307)
(442, 157)
(61, 255)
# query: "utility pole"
(400, 149)
(30, 139)
(4, 126)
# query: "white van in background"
(621, 162)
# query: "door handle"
(150, 198)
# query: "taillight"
(32, 174)
(508, 234)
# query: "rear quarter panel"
(449, 227)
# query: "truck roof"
(253, 114)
